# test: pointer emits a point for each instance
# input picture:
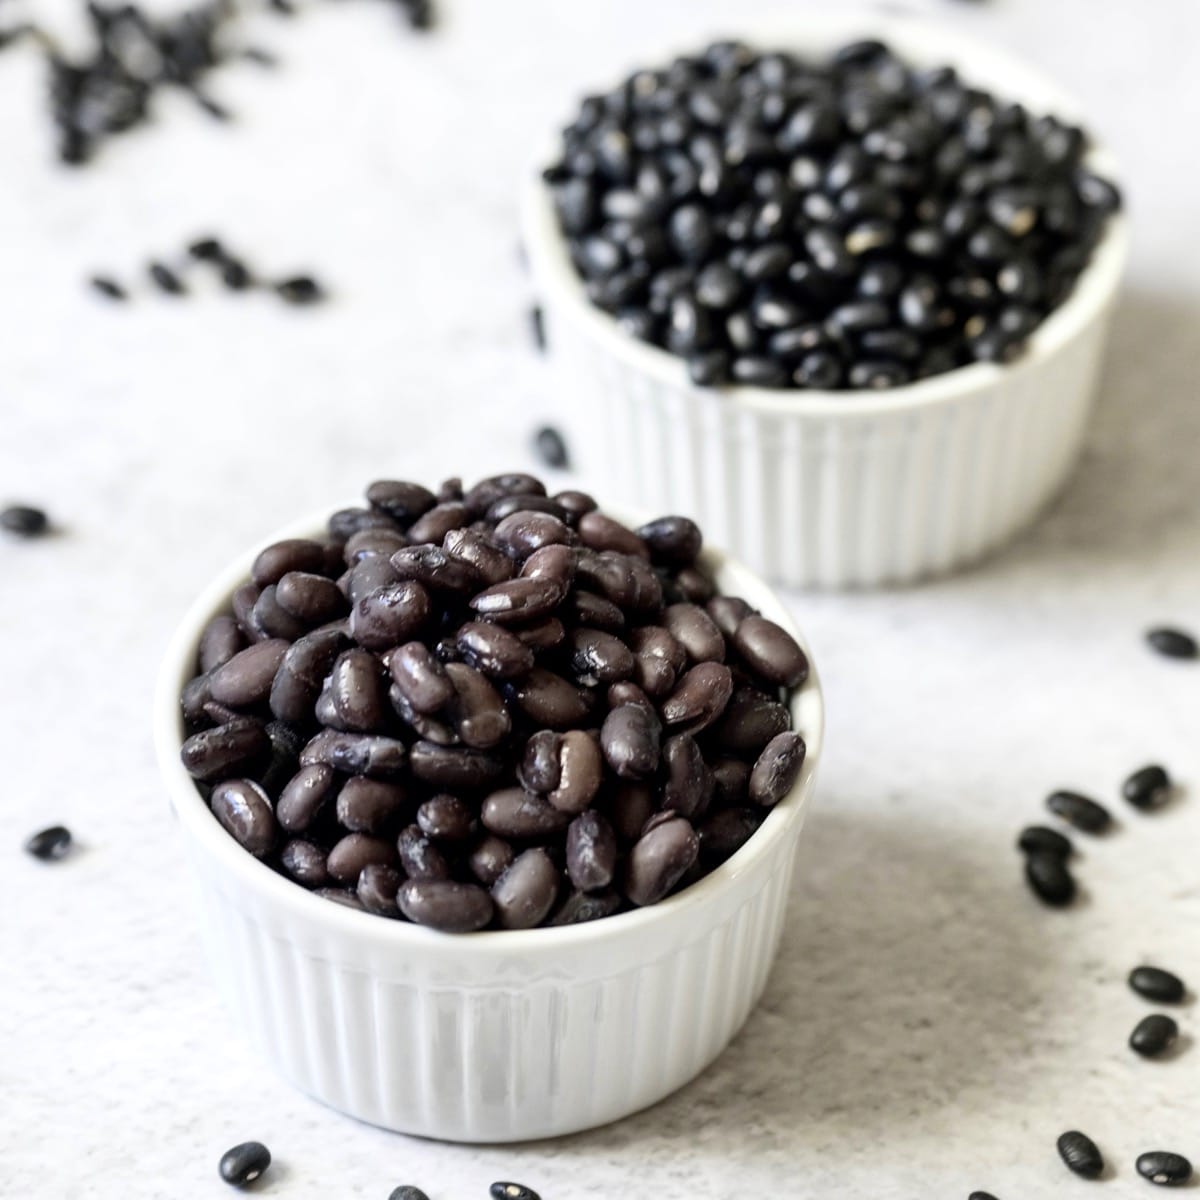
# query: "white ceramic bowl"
(487, 1037)
(849, 488)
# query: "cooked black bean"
(369, 805)
(305, 862)
(420, 677)
(770, 652)
(777, 769)
(599, 657)
(309, 597)
(550, 700)
(554, 562)
(507, 505)
(366, 576)
(1164, 1168)
(515, 813)
(519, 599)
(591, 850)
(493, 565)
(49, 844)
(1081, 811)
(525, 893)
(269, 616)
(1038, 839)
(225, 749)
(699, 698)
(245, 811)
(551, 448)
(454, 768)
(731, 782)
(292, 554)
(357, 753)
(346, 897)
(407, 1191)
(512, 1191)
(675, 541)
(542, 635)
(580, 907)
(357, 691)
(659, 860)
(194, 699)
(1156, 984)
(1173, 643)
(696, 632)
(628, 581)
(390, 615)
(580, 772)
(350, 854)
(688, 788)
(446, 905)
(1154, 1034)
(446, 817)
(629, 739)
(401, 500)
(727, 830)
(1050, 878)
(659, 659)
(750, 720)
(1081, 1155)
(525, 531)
(377, 887)
(436, 569)
(244, 1163)
(304, 796)
(298, 681)
(219, 642)
(246, 678)
(375, 542)
(489, 859)
(1147, 788)
(419, 857)
(477, 710)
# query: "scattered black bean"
(1147, 788)
(1156, 984)
(165, 279)
(49, 844)
(1154, 1034)
(108, 287)
(1164, 1168)
(24, 521)
(1038, 839)
(1081, 1155)
(537, 327)
(512, 1191)
(1173, 643)
(723, 207)
(1050, 878)
(1081, 811)
(981, 1196)
(551, 448)
(235, 275)
(245, 1163)
(300, 289)
(407, 1191)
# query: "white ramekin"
(837, 489)
(487, 1037)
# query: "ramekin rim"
(1093, 291)
(807, 707)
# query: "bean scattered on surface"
(1081, 1155)
(512, 1191)
(1173, 643)
(406, 1191)
(1050, 878)
(1154, 1034)
(1083, 812)
(1158, 985)
(1164, 1168)
(24, 521)
(551, 448)
(49, 844)
(1147, 788)
(1039, 839)
(244, 1163)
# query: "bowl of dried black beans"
(493, 802)
(841, 296)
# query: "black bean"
(659, 859)
(244, 809)
(435, 569)
(420, 677)
(351, 854)
(24, 520)
(689, 785)
(477, 710)
(580, 907)
(549, 700)
(407, 1191)
(218, 753)
(981, 1196)
(1038, 839)
(629, 739)
(304, 665)
(1081, 1155)
(369, 805)
(375, 541)
(108, 287)
(1147, 788)
(699, 698)
(493, 565)
(346, 897)
(1156, 984)
(445, 817)
(304, 796)
(419, 857)
(525, 893)
(244, 1163)
(579, 774)
(519, 600)
(454, 768)
(727, 830)
(377, 887)
(357, 753)
(165, 279)
(1164, 1168)
(658, 659)
(537, 323)
(516, 813)
(49, 844)
(777, 769)
(1173, 643)
(293, 554)
(219, 642)
(446, 905)
(390, 615)
(305, 862)
(553, 561)
(1050, 878)
(551, 448)
(300, 289)
(1154, 1034)
(1078, 810)
(599, 657)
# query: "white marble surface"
(929, 1029)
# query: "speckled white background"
(929, 1029)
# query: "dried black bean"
(1081, 1155)
(1154, 1034)
(1147, 788)
(1038, 839)
(49, 844)
(1050, 878)
(1173, 643)
(1158, 985)
(1164, 1168)
(244, 809)
(1078, 810)
(244, 1163)
(446, 905)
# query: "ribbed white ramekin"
(486, 1037)
(851, 488)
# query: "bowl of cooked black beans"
(492, 801)
(841, 295)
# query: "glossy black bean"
(401, 500)
(658, 659)
(446, 818)
(591, 852)
(1050, 878)
(377, 887)
(694, 630)
(369, 805)
(376, 542)
(1081, 811)
(245, 679)
(540, 769)
(726, 830)
(49, 844)
(580, 907)
(390, 615)
(1153, 1035)
(555, 563)
(219, 642)
(819, 370)
(731, 782)
(492, 564)
(419, 857)
(580, 772)
(357, 753)
(504, 1190)
(1158, 985)
(292, 554)
(728, 612)
(776, 769)
(599, 657)
(489, 858)
(357, 692)
(549, 700)
(587, 608)
(445, 905)
(305, 796)
(477, 710)
(519, 600)
(602, 533)
(525, 893)
(574, 504)
(435, 569)
(305, 862)
(1081, 1155)
(244, 809)
(224, 750)
(1173, 643)
(514, 813)
(658, 860)
(454, 768)
(1147, 788)
(1164, 1168)
(629, 739)
(1038, 839)
(699, 698)
(313, 599)
(750, 720)
(420, 677)
(297, 682)
(627, 581)
(243, 1164)
(366, 576)
(689, 786)
(350, 854)
(274, 621)
(551, 447)
(432, 527)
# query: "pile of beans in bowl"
(491, 708)
(850, 223)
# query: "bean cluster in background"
(491, 708)
(213, 256)
(133, 55)
(853, 223)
